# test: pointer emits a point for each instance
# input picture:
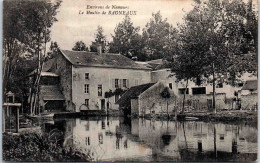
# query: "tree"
(80, 46)
(185, 66)
(156, 36)
(27, 26)
(214, 32)
(126, 40)
(166, 95)
(54, 50)
(99, 40)
(108, 95)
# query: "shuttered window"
(125, 83)
(116, 83)
(86, 88)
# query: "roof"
(250, 85)
(83, 58)
(46, 66)
(156, 61)
(49, 74)
(50, 92)
(158, 64)
(144, 64)
(133, 92)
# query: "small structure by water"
(148, 99)
(10, 121)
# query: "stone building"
(147, 99)
(86, 76)
(249, 96)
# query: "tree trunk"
(214, 91)
(183, 104)
(167, 109)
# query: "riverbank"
(39, 146)
(222, 116)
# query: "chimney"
(99, 48)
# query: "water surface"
(116, 139)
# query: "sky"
(72, 26)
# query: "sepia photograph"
(130, 80)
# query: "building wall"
(249, 101)
(105, 77)
(151, 101)
(200, 102)
(134, 106)
(63, 67)
(229, 90)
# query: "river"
(118, 139)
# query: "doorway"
(103, 104)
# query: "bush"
(39, 146)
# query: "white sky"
(72, 27)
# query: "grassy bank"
(221, 116)
(39, 146)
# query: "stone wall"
(63, 67)
(134, 106)
(151, 101)
(249, 101)
(201, 102)
(164, 74)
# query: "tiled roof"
(81, 58)
(46, 67)
(158, 64)
(49, 74)
(250, 85)
(133, 92)
(50, 92)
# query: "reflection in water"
(113, 139)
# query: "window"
(221, 137)
(86, 88)
(87, 141)
(87, 102)
(240, 84)
(100, 138)
(116, 98)
(86, 76)
(136, 82)
(124, 83)
(182, 91)
(170, 85)
(199, 90)
(99, 90)
(219, 85)
(116, 83)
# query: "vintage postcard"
(130, 80)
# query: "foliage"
(109, 94)
(212, 39)
(39, 146)
(80, 46)
(99, 40)
(157, 36)
(26, 31)
(126, 40)
(165, 93)
(54, 50)
(119, 91)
